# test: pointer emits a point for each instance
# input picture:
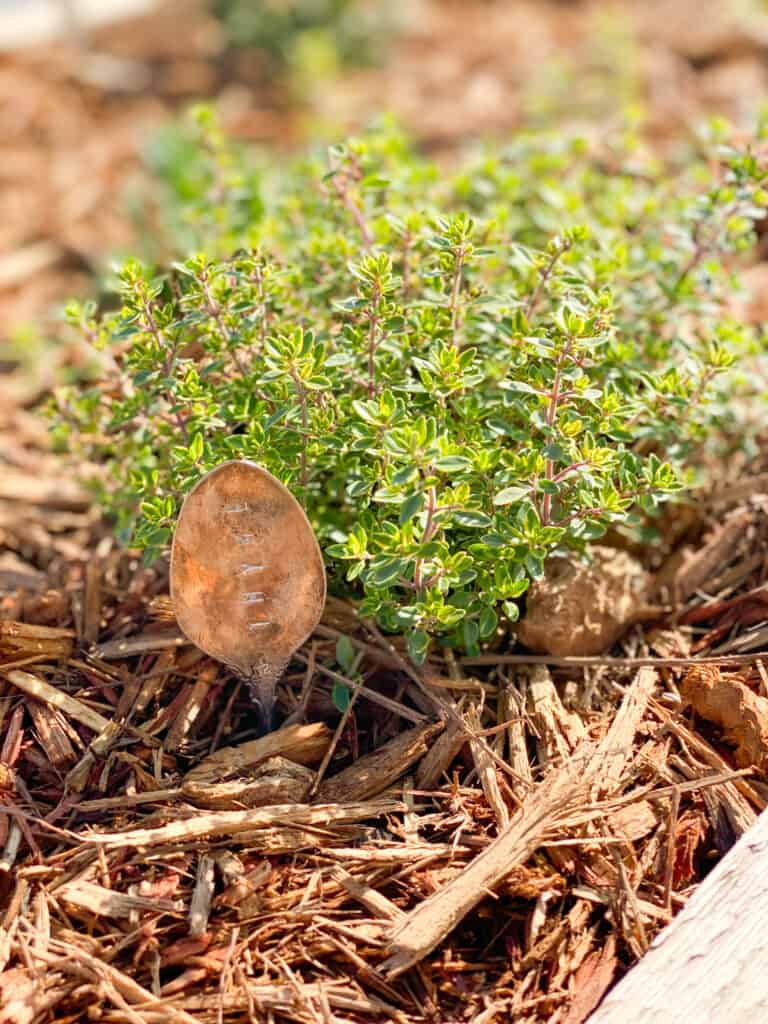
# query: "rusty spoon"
(247, 576)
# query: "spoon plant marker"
(247, 575)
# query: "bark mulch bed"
(480, 840)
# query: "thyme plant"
(456, 373)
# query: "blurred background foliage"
(456, 75)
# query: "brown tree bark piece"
(558, 731)
(729, 703)
(275, 781)
(87, 899)
(303, 744)
(708, 965)
(440, 755)
(73, 708)
(51, 732)
(486, 770)
(371, 774)
(250, 822)
(20, 640)
(686, 578)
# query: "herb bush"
(456, 373)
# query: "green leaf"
(511, 610)
(418, 645)
(197, 447)
(470, 634)
(341, 696)
(384, 571)
(453, 464)
(510, 495)
(472, 518)
(488, 622)
(345, 653)
(412, 504)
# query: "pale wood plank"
(709, 964)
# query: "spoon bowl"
(247, 576)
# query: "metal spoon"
(247, 576)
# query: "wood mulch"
(482, 839)
(479, 840)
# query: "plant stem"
(456, 293)
(407, 244)
(544, 276)
(554, 400)
(342, 191)
(429, 531)
(302, 396)
(258, 278)
(157, 334)
(372, 341)
(214, 310)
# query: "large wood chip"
(97, 900)
(615, 748)
(62, 493)
(441, 755)
(275, 781)
(513, 710)
(699, 566)
(19, 640)
(485, 767)
(730, 704)
(232, 823)
(304, 744)
(371, 774)
(128, 647)
(38, 688)
(52, 733)
(373, 901)
(558, 731)
(202, 896)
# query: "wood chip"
(202, 897)
(372, 900)
(52, 734)
(372, 774)
(441, 755)
(304, 744)
(485, 767)
(710, 557)
(38, 688)
(18, 640)
(275, 781)
(96, 900)
(730, 704)
(558, 731)
(232, 823)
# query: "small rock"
(581, 608)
